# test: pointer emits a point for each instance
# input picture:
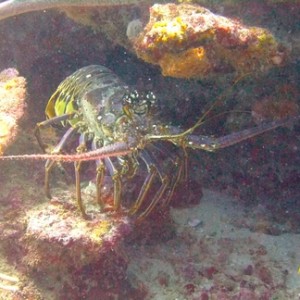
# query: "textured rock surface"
(12, 105)
(189, 41)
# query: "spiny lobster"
(119, 129)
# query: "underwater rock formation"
(59, 242)
(189, 41)
(12, 105)
(55, 227)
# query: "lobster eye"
(130, 97)
(151, 98)
(138, 103)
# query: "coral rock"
(189, 63)
(12, 105)
(60, 237)
(189, 41)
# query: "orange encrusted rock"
(189, 41)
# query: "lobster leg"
(115, 175)
(77, 165)
(181, 174)
(99, 181)
(159, 194)
(152, 172)
(180, 163)
(49, 163)
(47, 123)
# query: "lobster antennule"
(211, 143)
(113, 150)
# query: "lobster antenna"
(12, 8)
(114, 150)
(215, 103)
(202, 118)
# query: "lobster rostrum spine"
(119, 128)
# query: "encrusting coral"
(189, 41)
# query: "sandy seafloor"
(213, 258)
